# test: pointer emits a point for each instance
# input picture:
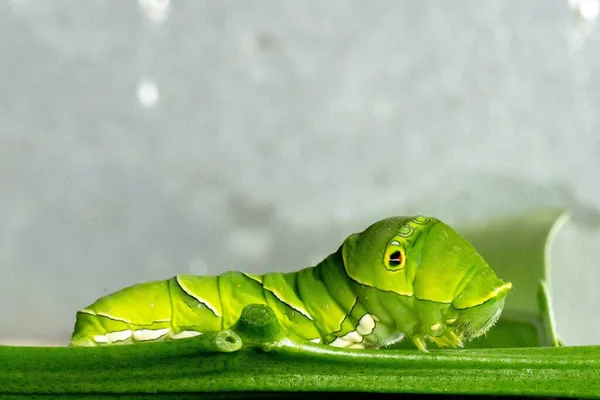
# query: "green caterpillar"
(401, 277)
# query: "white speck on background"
(587, 9)
(147, 94)
(155, 11)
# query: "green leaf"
(518, 249)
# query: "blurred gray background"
(139, 140)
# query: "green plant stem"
(288, 365)
(260, 355)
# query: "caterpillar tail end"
(86, 328)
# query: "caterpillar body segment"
(402, 277)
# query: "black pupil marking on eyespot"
(395, 258)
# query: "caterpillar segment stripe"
(205, 291)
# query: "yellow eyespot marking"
(394, 257)
(435, 327)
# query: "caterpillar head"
(451, 292)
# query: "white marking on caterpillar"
(354, 339)
(339, 342)
(185, 334)
(450, 321)
(435, 327)
(395, 243)
(317, 340)
(142, 335)
(366, 325)
(348, 340)
(100, 339)
(119, 336)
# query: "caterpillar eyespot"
(398, 261)
(396, 258)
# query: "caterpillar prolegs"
(412, 277)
